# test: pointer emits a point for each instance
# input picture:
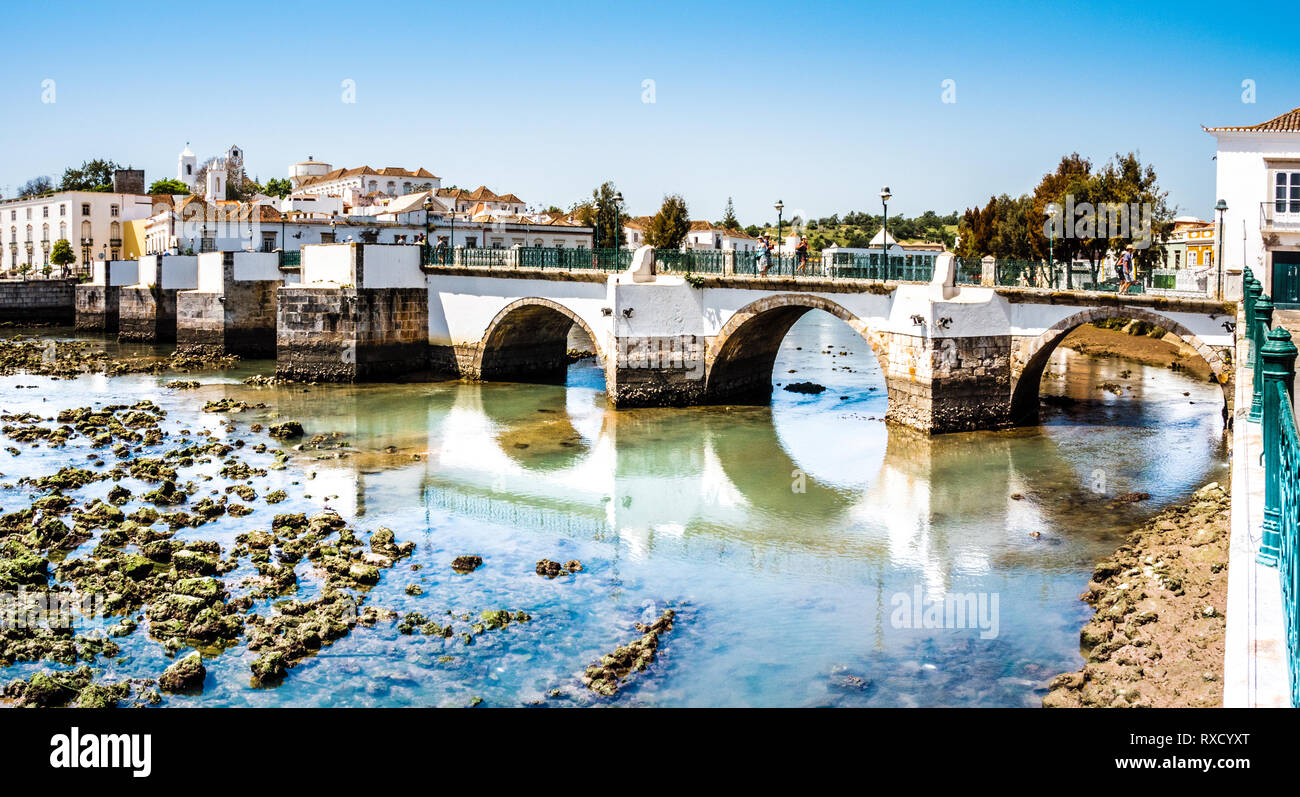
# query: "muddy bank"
(1166, 351)
(1157, 637)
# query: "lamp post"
(428, 248)
(1221, 207)
(86, 243)
(780, 207)
(1051, 240)
(884, 231)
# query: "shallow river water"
(798, 543)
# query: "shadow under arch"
(1031, 359)
(527, 341)
(744, 351)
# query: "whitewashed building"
(354, 185)
(1258, 177)
(91, 221)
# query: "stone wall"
(97, 307)
(37, 301)
(240, 320)
(348, 334)
(146, 314)
(671, 372)
(949, 384)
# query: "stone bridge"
(954, 357)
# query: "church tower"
(186, 167)
(215, 189)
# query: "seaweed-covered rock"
(466, 563)
(185, 675)
(285, 431)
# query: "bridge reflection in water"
(820, 475)
(790, 528)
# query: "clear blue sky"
(818, 104)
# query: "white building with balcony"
(1258, 176)
(91, 221)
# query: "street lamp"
(1222, 207)
(428, 249)
(1051, 240)
(884, 231)
(780, 207)
(86, 243)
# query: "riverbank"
(1165, 352)
(1157, 638)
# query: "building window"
(45, 212)
(1191, 254)
(327, 237)
(85, 208)
(1286, 192)
(63, 210)
(112, 211)
(268, 242)
(1178, 258)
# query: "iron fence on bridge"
(1272, 356)
(898, 268)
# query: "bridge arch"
(1030, 354)
(741, 356)
(528, 339)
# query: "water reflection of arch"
(1032, 355)
(535, 430)
(755, 462)
(744, 351)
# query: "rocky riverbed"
(1156, 639)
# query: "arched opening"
(745, 350)
(1033, 356)
(528, 341)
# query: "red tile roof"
(1288, 122)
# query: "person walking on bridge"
(1125, 269)
(801, 254)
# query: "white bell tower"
(216, 181)
(187, 167)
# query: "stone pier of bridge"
(954, 357)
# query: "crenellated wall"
(147, 309)
(233, 310)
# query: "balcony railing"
(1280, 215)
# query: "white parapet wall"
(115, 273)
(363, 265)
(169, 272)
(255, 266)
(248, 267)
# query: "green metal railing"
(290, 259)
(1273, 355)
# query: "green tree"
(62, 255)
(603, 212)
(729, 221)
(277, 187)
(168, 186)
(668, 227)
(92, 175)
